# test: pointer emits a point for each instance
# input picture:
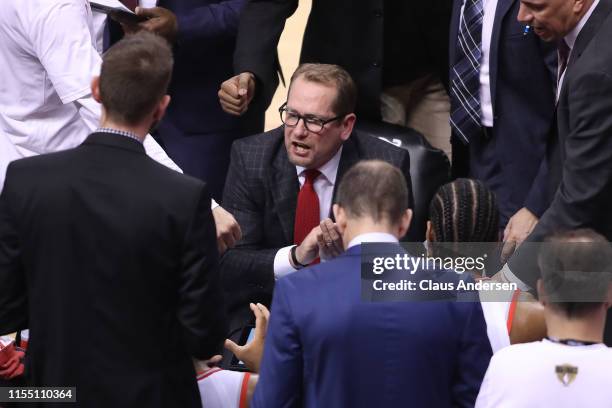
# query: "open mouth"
(300, 148)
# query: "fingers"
(148, 12)
(245, 85)
(221, 245)
(331, 236)
(236, 231)
(236, 93)
(231, 346)
(507, 250)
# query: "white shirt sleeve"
(60, 36)
(282, 266)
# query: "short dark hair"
(575, 267)
(376, 189)
(334, 76)
(135, 76)
(464, 210)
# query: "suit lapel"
(284, 187)
(348, 158)
(592, 26)
(589, 30)
(503, 6)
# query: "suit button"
(376, 64)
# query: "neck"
(140, 130)
(585, 328)
(361, 226)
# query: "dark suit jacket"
(261, 192)
(334, 29)
(195, 132)
(326, 347)
(580, 157)
(108, 257)
(522, 71)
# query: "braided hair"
(464, 210)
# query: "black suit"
(377, 41)
(261, 192)
(580, 159)
(109, 258)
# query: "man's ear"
(95, 89)
(340, 216)
(542, 295)
(160, 111)
(404, 224)
(347, 126)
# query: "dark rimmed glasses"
(312, 123)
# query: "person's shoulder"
(260, 141)
(320, 276)
(371, 147)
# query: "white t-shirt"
(49, 58)
(223, 388)
(547, 374)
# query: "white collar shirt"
(324, 187)
(372, 237)
(39, 81)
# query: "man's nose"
(300, 128)
(524, 16)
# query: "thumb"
(243, 83)
(145, 12)
(231, 346)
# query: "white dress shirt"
(324, 187)
(49, 58)
(570, 39)
(372, 237)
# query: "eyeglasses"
(312, 123)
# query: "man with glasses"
(281, 185)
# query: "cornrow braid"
(464, 210)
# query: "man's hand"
(160, 21)
(330, 240)
(236, 93)
(308, 250)
(228, 230)
(251, 353)
(519, 227)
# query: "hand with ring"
(329, 240)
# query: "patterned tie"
(563, 52)
(307, 211)
(465, 74)
(131, 4)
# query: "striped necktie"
(465, 74)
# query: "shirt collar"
(131, 135)
(570, 39)
(372, 237)
(329, 169)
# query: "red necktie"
(131, 4)
(307, 212)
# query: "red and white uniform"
(223, 388)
